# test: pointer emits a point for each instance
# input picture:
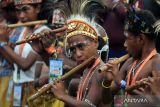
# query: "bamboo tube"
(47, 87)
(27, 23)
(39, 35)
(119, 60)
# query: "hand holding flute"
(5, 30)
(41, 35)
(115, 61)
(151, 82)
(47, 87)
(111, 69)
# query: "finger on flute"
(119, 60)
(135, 86)
(78, 68)
(27, 40)
(42, 34)
(139, 84)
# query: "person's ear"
(96, 44)
(141, 38)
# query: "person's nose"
(22, 15)
(78, 53)
(125, 44)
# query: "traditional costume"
(21, 78)
(80, 25)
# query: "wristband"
(2, 44)
(123, 84)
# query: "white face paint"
(115, 1)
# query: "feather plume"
(81, 6)
(157, 27)
(157, 32)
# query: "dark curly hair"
(141, 21)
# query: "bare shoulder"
(156, 59)
(156, 65)
(127, 64)
(128, 61)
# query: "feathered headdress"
(18, 2)
(79, 24)
(136, 22)
(60, 12)
(92, 9)
(158, 2)
(89, 8)
(142, 21)
(82, 20)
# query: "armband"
(123, 84)
(2, 44)
(105, 86)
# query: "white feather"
(157, 26)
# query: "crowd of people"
(42, 40)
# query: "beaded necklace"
(87, 84)
(135, 68)
(132, 80)
(85, 79)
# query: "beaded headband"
(19, 2)
(81, 25)
(137, 24)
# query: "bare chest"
(140, 74)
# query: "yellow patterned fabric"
(47, 101)
(81, 25)
(58, 103)
(4, 81)
(28, 90)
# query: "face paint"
(24, 8)
(80, 45)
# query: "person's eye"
(18, 10)
(25, 9)
(72, 49)
(81, 46)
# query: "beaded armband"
(2, 44)
(123, 84)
